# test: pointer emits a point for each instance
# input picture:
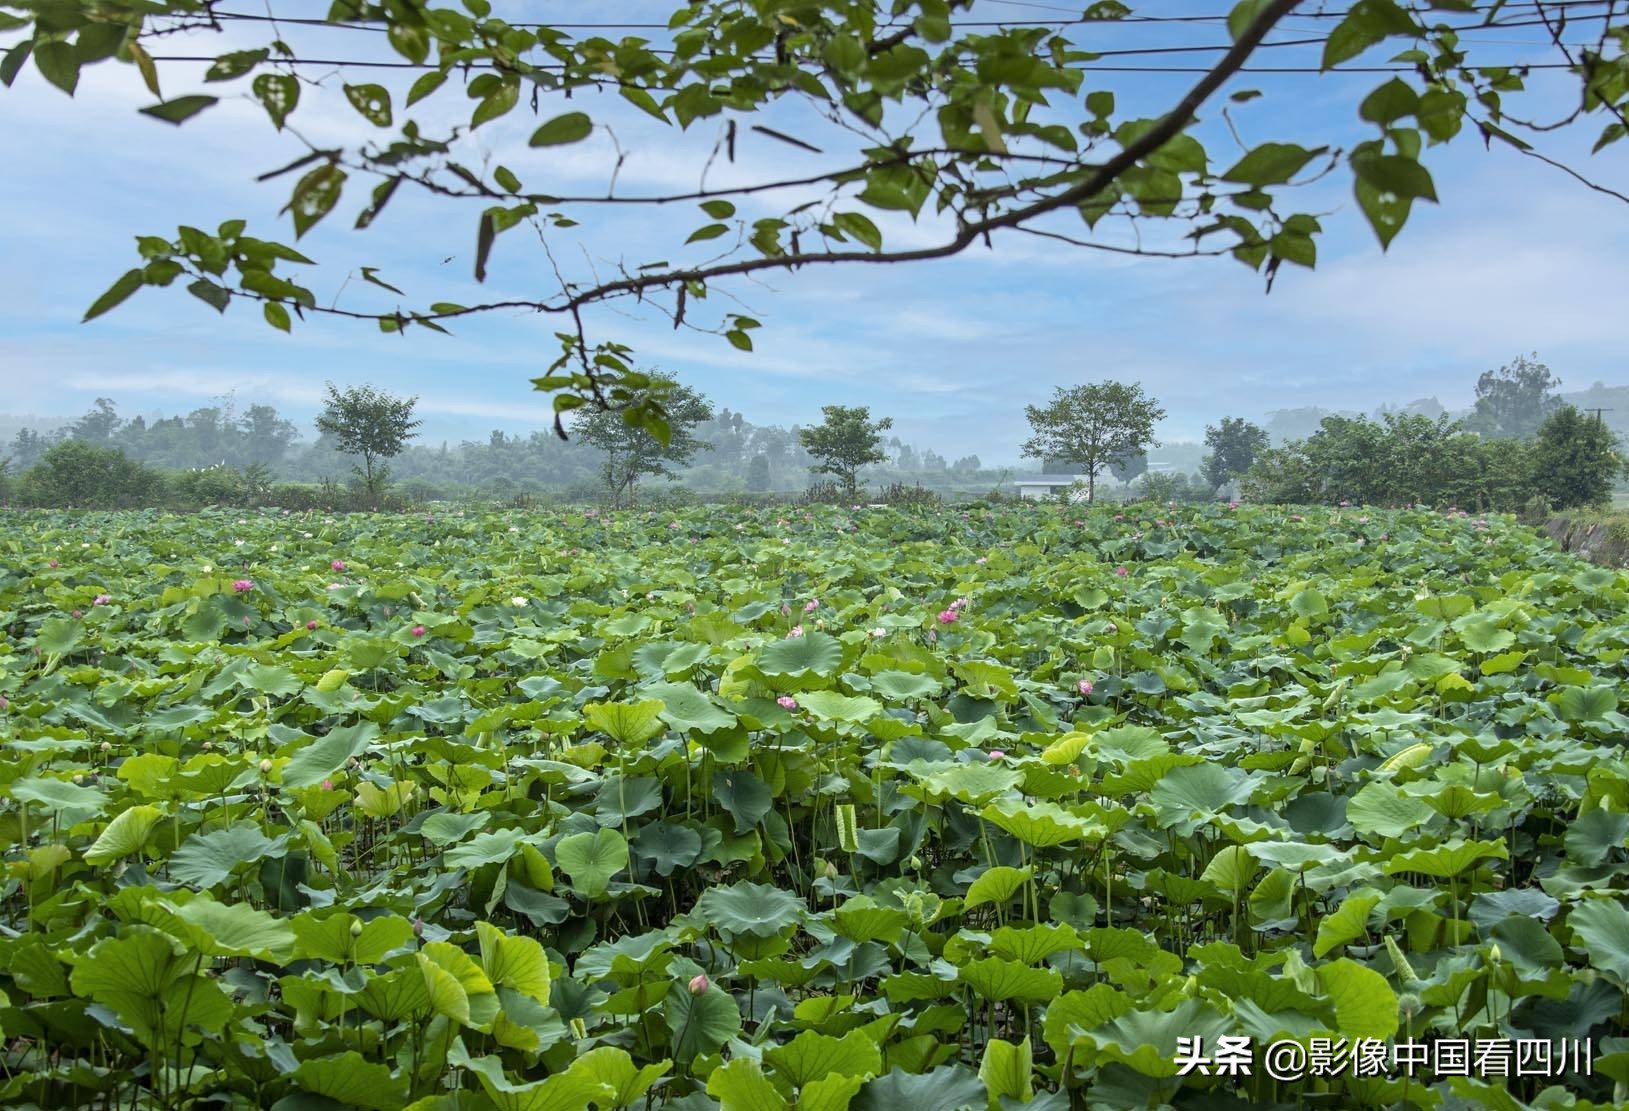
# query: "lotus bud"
(356, 927)
(829, 870)
(699, 983)
(1495, 955)
(107, 746)
(265, 765)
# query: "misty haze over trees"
(1522, 444)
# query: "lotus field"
(979, 807)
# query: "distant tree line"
(1572, 460)
(219, 454)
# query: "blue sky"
(1518, 258)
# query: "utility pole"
(1598, 418)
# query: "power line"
(1315, 70)
(1131, 20)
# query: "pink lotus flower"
(418, 630)
(947, 617)
(797, 631)
(811, 605)
(53, 563)
(1085, 687)
(1233, 505)
(699, 983)
(786, 610)
(312, 625)
(5, 703)
(328, 785)
(996, 754)
(101, 599)
(1121, 571)
(338, 565)
(335, 586)
(787, 702)
(77, 613)
(243, 586)
(981, 560)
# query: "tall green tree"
(926, 106)
(846, 440)
(633, 448)
(758, 473)
(1092, 426)
(1234, 445)
(1576, 459)
(1512, 401)
(371, 424)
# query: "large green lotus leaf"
(740, 1085)
(832, 706)
(484, 848)
(237, 930)
(1146, 1040)
(1602, 927)
(996, 980)
(1529, 902)
(1231, 869)
(755, 909)
(668, 846)
(124, 836)
(687, 708)
(744, 795)
(614, 1067)
(445, 827)
(1007, 1071)
(1128, 743)
(1296, 855)
(1525, 943)
(829, 1093)
(1200, 790)
(996, 885)
(812, 1055)
(1585, 703)
(1381, 809)
(700, 1023)
(810, 654)
(1348, 923)
(58, 796)
(591, 859)
(352, 1080)
(1041, 824)
(860, 919)
(458, 988)
(1594, 837)
(968, 783)
(269, 679)
(138, 965)
(1074, 1012)
(1201, 627)
(1365, 1005)
(396, 995)
(326, 755)
(205, 859)
(564, 1091)
(904, 685)
(57, 635)
(514, 962)
(152, 774)
(628, 724)
(946, 1088)
(1447, 859)
(1480, 634)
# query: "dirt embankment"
(1599, 538)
